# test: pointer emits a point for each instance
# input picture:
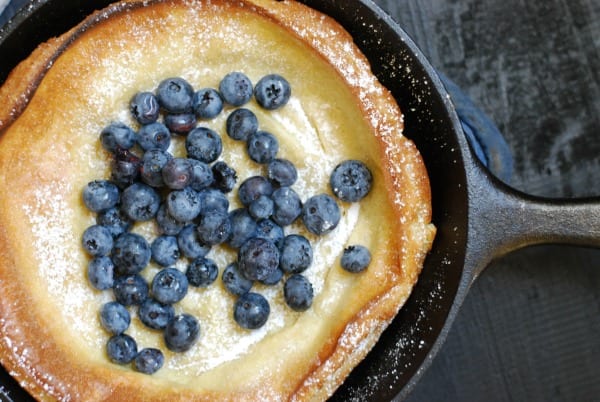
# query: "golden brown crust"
(49, 366)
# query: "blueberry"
(97, 241)
(243, 227)
(252, 188)
(114, 318)
(121, 349)
(296, 254)
(213, 227)
(321, 214)
(149, 360)
(258, 258)
(117, 135)
(282, 172)
(298, 293)
(274, 278)
(178, 173)
(169, 286)
(236, 88)
(154, 136)
(287, 206)
(272, 91)
(101, 272)
(202, 175)
(125, 167)
(131, 253)
(144, 107)
(182, 332)
(155, 314)
(203, 144)
(183, 205)
(190, 244)
(100, 195)
(213, 200)
(234, 281)
(241, 123)
(201, 272)
(262, 146)
(268, 229)
(251, 310)
(165, 250)
(224, 175)
(167, 225)
(130, 290)
(140, 202)
(351, 181)
(175, 95)
(355, 258)
(152, 165)
(114, 220)
(207, 103)
(181, 123)
(261, 208)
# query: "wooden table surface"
(529, 329)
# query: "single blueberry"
(252, 188)
(241, 123)
(298, 292)
(258, 258)
(140, 202)
(234, 281)
(114, 317)
(169, 286)
(261, 208)
(184, 205)
(268, 229)
(243, 227)
(175, 95)
(167, 225)
(287, 206)
(262, 146)
(155, 314)
(114, 220)
(151, 167)
(149, 360)
(130, 253)
(351, 181)
(117, 135)
(125, 167)
(144, 107)
(182, 332)
(202, 272)
(272, 91)
(101, 272)
(321, 214)
(181, 123)
(202, 175)
(213, 200)
(236, 88)
(274, 278)
(178, 173)
(296, 254)
(190, 244)
(130, 290)
(203, 144)
(165, 250)
(97, 241)
(282, 172)
(100, 195)
(355, 258)
(207, 103)
(224, 175)
(213, 227)
(121, 349)
(154, 136)
(251, 310)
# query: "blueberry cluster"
(188, 199)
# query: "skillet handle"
(503, 219)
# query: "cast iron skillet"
(478, 217)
